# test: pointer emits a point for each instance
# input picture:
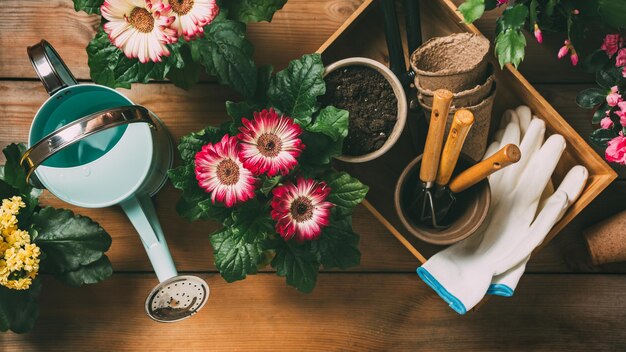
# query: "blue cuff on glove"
(500, 290)
(430, 280)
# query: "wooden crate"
(363, 35)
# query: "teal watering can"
(92, 147)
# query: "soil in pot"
(373, 107)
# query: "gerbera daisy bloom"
(301, 210)
(219, 172)
(140, 28)
(270, 143)
(192, 16)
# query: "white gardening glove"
(462, 273)
(573, 185)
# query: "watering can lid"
(49, 66)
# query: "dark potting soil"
(373, 107)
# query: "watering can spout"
(142, 215)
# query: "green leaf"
(294, 90)
(338, 246)
(192, 143)
(591, 97)
(532, 15)
(269, 183)
(550, 7)
(332, 122)
(18, 308)
(608, 78)
(595, 61)
(238, 246)
(491, 4)
(613, 12)
(600, 113)
(89, 6)
(297, 263)
(472, 10)
(346, 191)
(189, 73)
(242, 109)
(225, 53)
(253, 10)
(14, 173)
(69, 241)
(513, 17)
(601, 136)
(110, 67)
(264, 78)
(320, 149)
(510, 46)
(88, 274)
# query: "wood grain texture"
(347, 312)
(298, 29)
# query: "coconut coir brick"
(373, 107)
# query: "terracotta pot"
(476, 142)
(462, 99)
(456, 62)
(400, 96)
(475, 204)
(606, 240)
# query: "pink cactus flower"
(606, 123)
(621, 112)
(538, 34)
(575, 12)
(574, 57)
(621, 58)
(612, 43)
(614, 97)
(564, 49)
(616, 150)
(502, 2)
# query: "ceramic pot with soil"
(376, 101)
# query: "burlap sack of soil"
(468, 97)
(476, 142)
(456, 62)
(607, 240)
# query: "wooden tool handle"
(434, 139)
(463, 121)
(509, 154)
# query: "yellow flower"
(19, 259)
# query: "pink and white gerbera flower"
(301, 210)
(141, 28)
(270, 143)
(219, 172)
(192, 16)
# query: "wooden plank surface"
(347, 312)
(380, 305)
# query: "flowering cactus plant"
(572, 17)
(142, 40)
(608, 100)
(33, 238)
(266, 175)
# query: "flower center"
(228, 172)
(269, 145)
(181, 7)
(141, 19)
(302, 209)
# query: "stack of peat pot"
(458, 63)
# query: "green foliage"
(601, 136)
(294, 90)
(253, 10)
(296, 262)
(72, 244)
(510, 42)
(590, 97)
(613, 12)
(19, 309)
(89, 6)
(472, 10)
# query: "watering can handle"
(143, 216)
(83, 128)
(50, 68)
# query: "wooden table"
(561, 303)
